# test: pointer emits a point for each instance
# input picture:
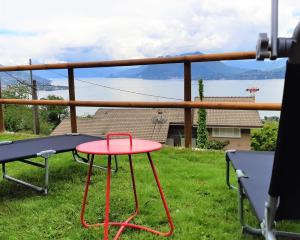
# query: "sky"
(75, 30)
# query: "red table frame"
(126, 223)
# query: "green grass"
(194, 184)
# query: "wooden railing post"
(187, 111)
(72, 98)
(2, 127)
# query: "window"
(226, 132)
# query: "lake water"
(269, 90)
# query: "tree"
(17, 117)
(264, 139)
(52, 114)
(202, 134)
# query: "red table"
(128, 147)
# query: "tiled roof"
(153, 124)
(142, 123)
(236, 118)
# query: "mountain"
(8, 78)
(81, 72)
(265, 65)
(207, 70)
(239, 70)
(260, 75)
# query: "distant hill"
(232, 70)
(81, 73)
(260, 75)
(266, 65)
(8, 78)
(204, 70)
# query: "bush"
(52, 114)
(216, 145)
(202, 133)
(264, 139)
(17, 118)
(20, 117)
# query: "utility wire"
(19, 80)
(23, 82)
(118, 89)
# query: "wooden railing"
(187, 104)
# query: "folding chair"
(271, 180)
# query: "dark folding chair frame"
(270, 181)
(266, 214)
(50, 147)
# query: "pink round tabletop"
(118, 147)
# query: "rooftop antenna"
(278, 47)
(252, 90)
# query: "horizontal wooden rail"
(187, 104)
(132, 62)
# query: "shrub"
(216, 145)
(264, 139)
(202, 133)
(20, 118)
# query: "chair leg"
(79, 159)
(43, 189)
(230, 186)
(245, 227)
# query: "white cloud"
(98, 29)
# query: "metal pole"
(187, 110)
(2, 126)
(274, 30)
(72, 98)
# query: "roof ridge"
(227, 97)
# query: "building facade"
(167, 125)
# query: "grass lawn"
(194, 184)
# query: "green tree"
(202, 134)
(17, 117)
(53, 114)
(264, 139)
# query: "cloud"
(96, 29)
(15, 33)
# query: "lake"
(90, 89)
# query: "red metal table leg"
(107, 201)
(162, 197)
(122, 225)
(133, 185)
(86, 190)
(165, 234)
(135, 199)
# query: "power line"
(18, 80)
(95, 84)
(119, 89)
(23, 82)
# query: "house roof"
(142, 123)
(234, 118)
(153, 124)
